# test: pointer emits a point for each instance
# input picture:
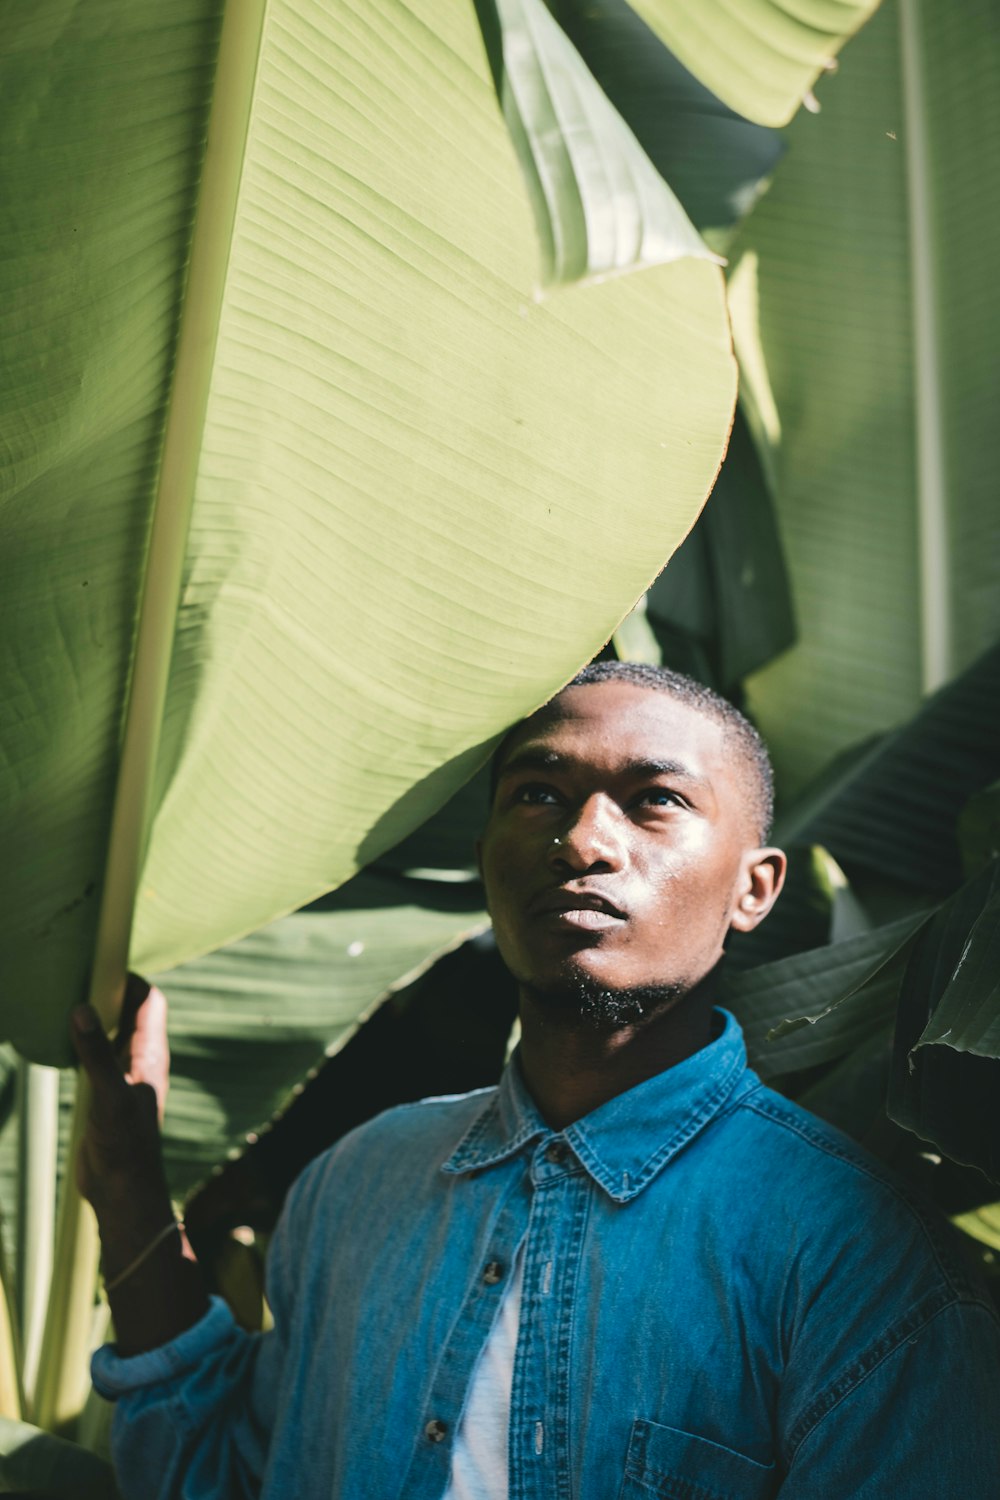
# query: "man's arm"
(195, 1394)
(922, 1422)
(157, 1295)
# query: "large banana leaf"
(863, 300)
(420, 497)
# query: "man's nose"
(589, 838)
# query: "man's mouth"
(583, 910)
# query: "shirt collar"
(628, 1140)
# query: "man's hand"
(155, 1287)
(120, 1153)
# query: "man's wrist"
(128, 1220)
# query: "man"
(632, 1270)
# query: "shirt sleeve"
(923, 1419)
(194, 1417)
(185, 1412)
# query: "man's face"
(620, 847)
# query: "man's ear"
(759, 886)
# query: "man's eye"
(658, 796)
(536, 795)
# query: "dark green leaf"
(444, 1033)
(979, 830)
(851, 1095)
(828, 305)
(948, 1002)
(250, 1020)
(714, 160)
(892, 805)
(728, 583)
(967, 1013)
(33, 1462)
(815, 1006)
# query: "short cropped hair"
(740, 734)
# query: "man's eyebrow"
(540, 759)
(664, 768)
(529, 759)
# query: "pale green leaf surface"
(103, 131)
(600, 205)
(760, 56)
(824, 320)
(422, 499)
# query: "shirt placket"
(437, 1423)
(540, 1437)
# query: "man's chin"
(578, 998)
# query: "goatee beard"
(580, 1001)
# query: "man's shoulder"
(414, 1138)
(794, 1149)
(444, 1116)
(825, 1187)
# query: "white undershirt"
(479, 1457)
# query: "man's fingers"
(98, 1058)
(136, 991)
(149, 1052)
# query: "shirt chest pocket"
(671, 1465)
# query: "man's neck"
(571, 1067)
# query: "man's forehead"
(610, 718)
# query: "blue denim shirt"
(724, 1299)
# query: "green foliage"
(397, 471)
(850, 358)
(726, 590)
(600, 205)
(34, 1462)
(760, 56)
(713, 159)
(397, 475)
(945, 1083)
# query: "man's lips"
(583, 910)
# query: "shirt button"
(435, 1431)
(493, 1273)
(555, 1152)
